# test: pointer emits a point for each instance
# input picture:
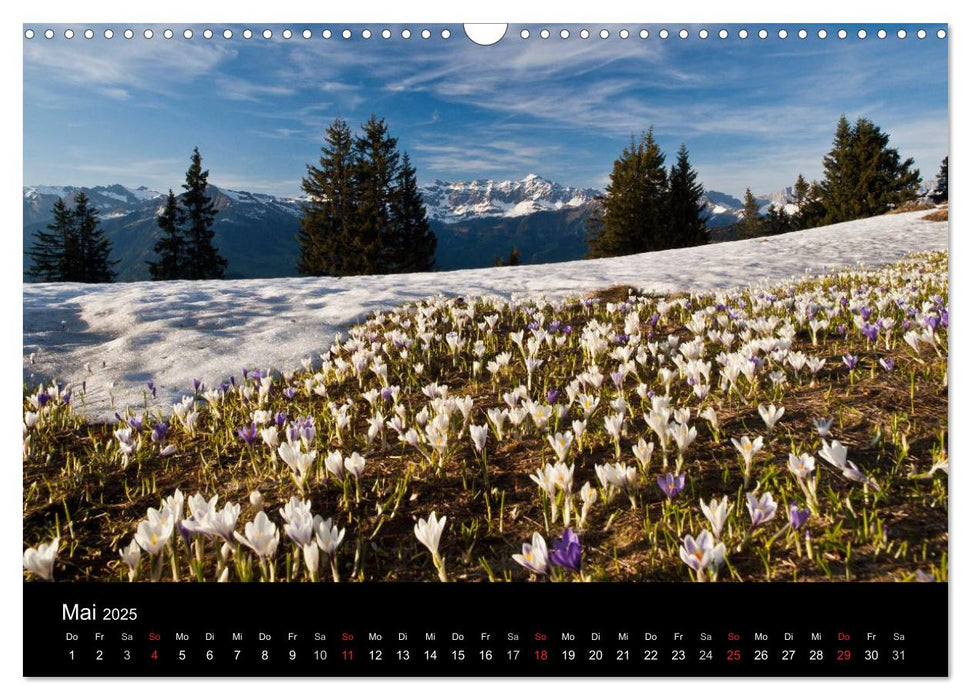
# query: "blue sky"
(753, 112)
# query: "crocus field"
(796, 432)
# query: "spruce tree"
(49, 251)
(364, 214)
(800, 191)
(686, 223)
(202, 259)
(375, 172)
(170, 248)
(863, 176)
(776, 221)
(74, 248)
(939, 194)
(94, 249)
(631, 215)
(750, 225)
(413, 243)
(327, 241)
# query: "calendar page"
(370, 350)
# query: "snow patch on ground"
(172, 332)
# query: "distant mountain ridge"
(459, 201)
(475, 221)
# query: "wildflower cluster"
(766, 433)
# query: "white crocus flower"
(643, 451)
(355, 465)
(429, 533)
(131, 556)
(534, 556)
(328, 538)
(40, 560)
(771, 415)
(334, 463)
(261, 535)
(152, 535)
(561, 442)
(588, 495)
(479, 435)
(717, 513)
(271, 437)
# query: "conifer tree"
(863, 176)
(800, 191)
(365, 214)
(631, 214)
(750, 225)
(776, 221)
(686, 223)
(74, 248)
(202, 259)
(375, 171)
(94, 249)
(327, 244)
(171, 246)
(939, 194)
(55, 250)
(413, 242)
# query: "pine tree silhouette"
(630, 217)
(202, 259)
(686, 222)
(171, 246)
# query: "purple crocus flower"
(42, 398)
(865, 313)
(567, 330)
(841, 329)
(850, 361)
(567, 553)
(621, 338)
(66, 397)
(551, 396)
(944, 317)
(224, 387)
(196, 385)
(290, 392)
(257, 375)
(887, 363)
(245, 373)
(386, 393)
(870, 331)
(249, 433)
(534, 326)
(281, 419)
(671, 485)
(655, 317)
(136, 423)
(932, 322)
(554, 326)
(151, 387)
(159, 432)
(797, 516)
(757, 361)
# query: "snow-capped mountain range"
(458, 201)
(447, 202)
(476, 222)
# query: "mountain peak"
(460, 201)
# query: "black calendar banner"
(657, 630)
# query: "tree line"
(647, 207)
(862, 177)
(363, 214)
